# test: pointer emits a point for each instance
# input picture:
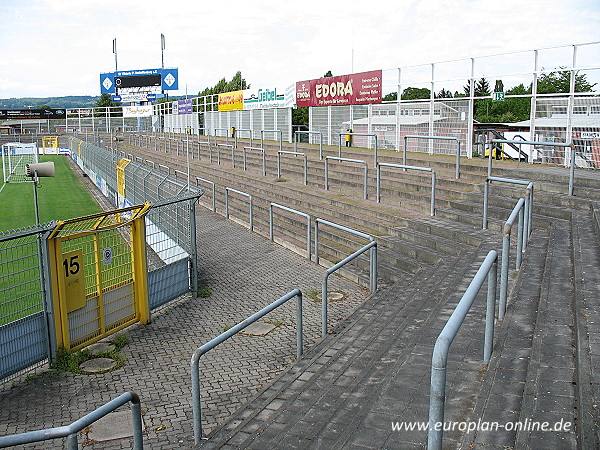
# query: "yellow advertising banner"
(231, 101)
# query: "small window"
(579, 109)
(595, 110)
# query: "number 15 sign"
(73, 279)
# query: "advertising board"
(231, 101)
(354, 89)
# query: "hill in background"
(72, 101)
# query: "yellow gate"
(99, 276)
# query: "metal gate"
(99, 278)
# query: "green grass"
(62, 197)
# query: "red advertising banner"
(354, 89)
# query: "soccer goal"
(15, 156)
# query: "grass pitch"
(62, 197)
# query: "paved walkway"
(245, 272)
(354, 386)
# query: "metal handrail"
(237, 130)
(300, 213)
(528, 202)
(372, 278)
(214, 200)
(549, 144)
(195, 361)
(70, 431)
(359, 161)
(264, 159)
(283, 152)
(405, 167)
(439, 138)
(373, 258)
(232, 153)
(226, 134)
(439, 359)
(262, 141)
(310, 132)
(518, 211)
(357, 134)
(227, 190)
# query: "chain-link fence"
(24, 336)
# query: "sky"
(54, 48)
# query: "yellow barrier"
(99, 275)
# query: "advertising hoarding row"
(38, 114)
(354, 89)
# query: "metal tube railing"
(262, 141)
(226, 134)
(282, 152)
(439, 359)
(439, 138)
(232, 153)
(264, 158)
(239, 130)
(227, 190)
(195, 361)
(402, 166)
(373, 276)
(285, 208)
(545, 143)
(357, 134)
(71, 431)
(214, 197)
(373, 256)
(528, 202)
(359, 161)
(506, 232)
(310, 132)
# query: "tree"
(560, 82)
(444, 93)
(328, 74)
(106, 101)
(412, 93)
(391, 97)
(237, 83)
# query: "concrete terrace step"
(369, 373)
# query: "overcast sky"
(59, 47)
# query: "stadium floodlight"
(34, 171)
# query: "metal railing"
(549, 144)
(226, 134)
(357, 134)
(262, 135)
(219, 152)
(358, 161)
(518, 211)
(439, 138)
(195, 361)
(372, 277)
(528, 201)
(238, 130)
(402, 166)
(309, 133)
(285, 208)
(439, 359)
(227, 190)
(283, 152)
(214, 197)
(71, 431)
(264, 159)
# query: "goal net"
(15, 156)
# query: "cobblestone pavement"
(245, 272)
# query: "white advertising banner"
(137, 111)
(267, 98)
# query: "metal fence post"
(485, 204)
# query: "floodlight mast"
(115, 52)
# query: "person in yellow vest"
(348, 138)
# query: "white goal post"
(15, 156)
